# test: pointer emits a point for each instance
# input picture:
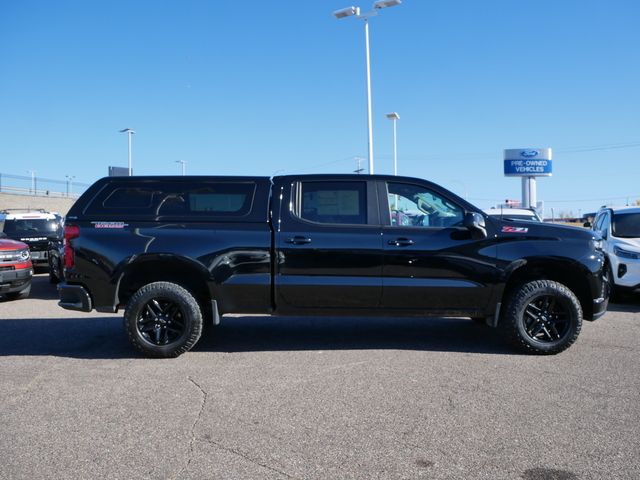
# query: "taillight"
(70, 232)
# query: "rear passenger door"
(328, 245)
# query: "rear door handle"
(298, 240)
(401, 242)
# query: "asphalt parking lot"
(311, 398)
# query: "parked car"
(16, 268)
(36, 228)
(620, 230)
(528, 214)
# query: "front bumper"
(600, 307)
(15, 280)
(40, 257)
(74, 297)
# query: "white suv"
(620, 229)
(514, 214)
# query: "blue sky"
(254, 88)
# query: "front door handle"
(401, 242)
(298, 240)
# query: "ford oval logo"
(529, 153)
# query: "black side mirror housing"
(474, 222)
(586, 224)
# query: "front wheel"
(542, 317)
(162, 320)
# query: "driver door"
(430, 260)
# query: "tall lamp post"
(129, 132)
(394, 117)
(355, 11)
(183, 163)
(33, 180)
(70, 184)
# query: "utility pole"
(359, 168)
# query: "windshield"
(626, 225)
(31, 227)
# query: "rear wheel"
(54, 273)
(162, 319)
(542, 317)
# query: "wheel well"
(568, 275)
(174, 271)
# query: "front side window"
(416, 206)
(626, 225)
(333, 202)
(604, 226)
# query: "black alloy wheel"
(163, 319)
(546, 319)
(542, 317)
(161, 322)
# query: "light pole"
(394, 117)
(184, 166)
(355, 11)
(129, 132)
(33, 180)
(70, 183)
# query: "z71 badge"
(515, 229)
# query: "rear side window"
(167, 199)
(333, 202)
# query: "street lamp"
(394, 117)
(129, 132)
(33, 180)
(70, 183)
(184, 166)
(355, 12)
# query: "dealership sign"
(527, 162)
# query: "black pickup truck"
(177, 252)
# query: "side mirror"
(587, 225)
(474, 222)
(3, 235)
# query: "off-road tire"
(152, 312)
(533, 329)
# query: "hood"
(8, 245)
(540, 229)
(632, 244)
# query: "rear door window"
(329, 202)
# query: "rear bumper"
(15, 280)
(74, 297)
